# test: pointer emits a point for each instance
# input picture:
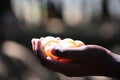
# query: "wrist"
(114, 66)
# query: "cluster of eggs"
(49, 43)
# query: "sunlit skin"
(84, 60)
(48, 44)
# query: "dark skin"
(88, 60)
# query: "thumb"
(70, 53)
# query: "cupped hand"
(85, 61)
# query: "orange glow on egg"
(48, 44)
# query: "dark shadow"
(105, 11)
(52, 10)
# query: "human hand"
(85, 61)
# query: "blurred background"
(91, 21)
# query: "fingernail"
(49, 58)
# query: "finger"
(70, 53)
(34, 42)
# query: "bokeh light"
(91, 21)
